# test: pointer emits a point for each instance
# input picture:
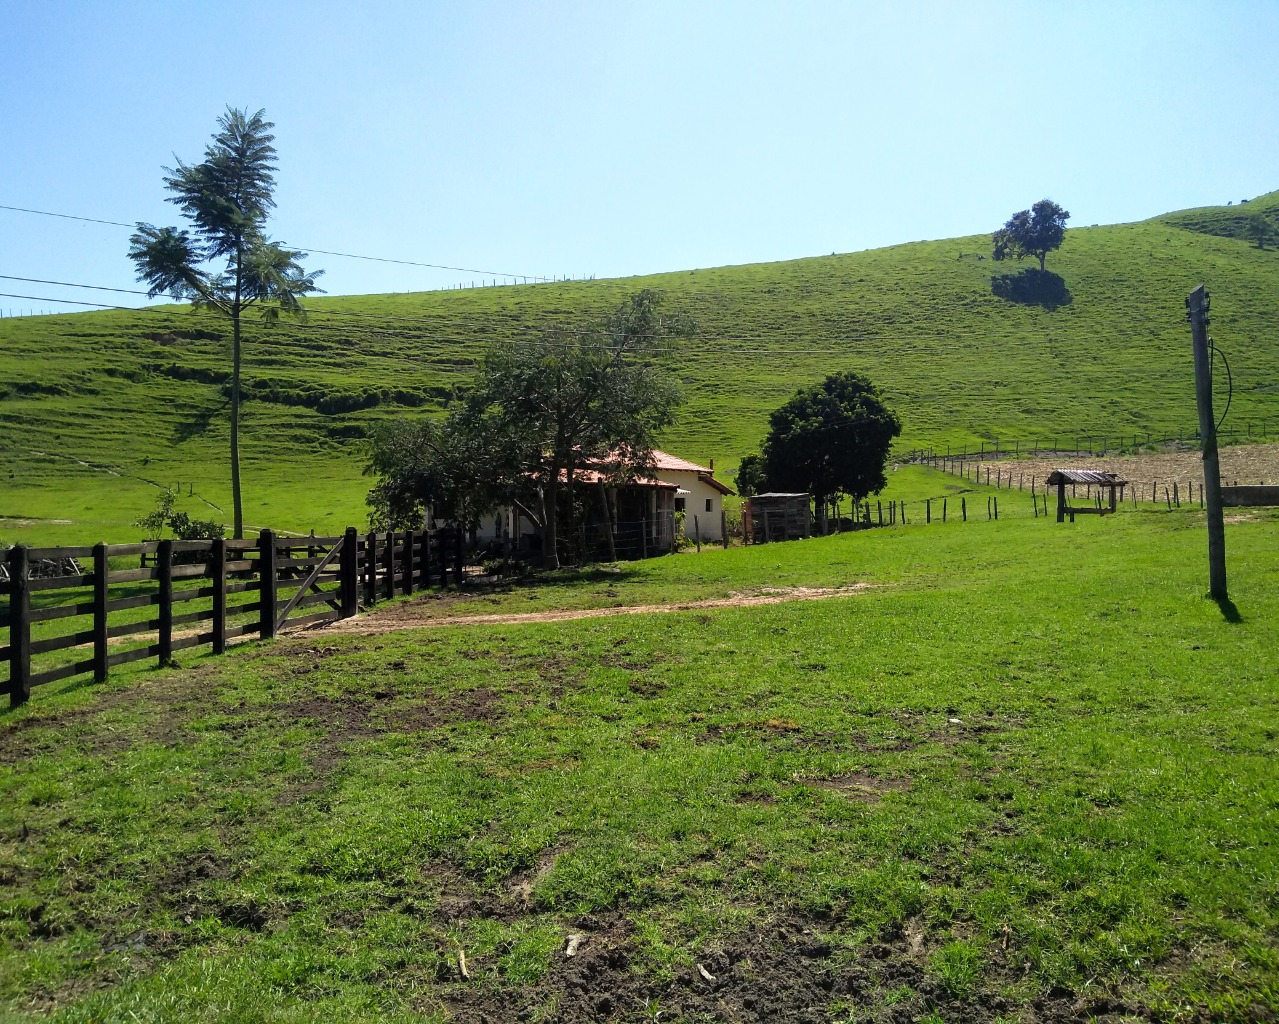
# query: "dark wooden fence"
(82, 611)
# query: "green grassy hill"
(96, 409)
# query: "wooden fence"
(1087, 444)
(83, 621)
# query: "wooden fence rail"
(87, 619)
(1089, 444)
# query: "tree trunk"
(237, 503)
(550, 540)
(1042, 257)
(608, 522)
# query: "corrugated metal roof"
(1084, 476)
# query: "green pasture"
(1026, 774)
(99, 409)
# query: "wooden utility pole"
(1197, 303)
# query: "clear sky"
(566, 137)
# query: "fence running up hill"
(71, 621)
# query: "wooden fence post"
(370, 569)
(408, 562)
(723, 527)
(19, 626)
(458, 552)
(390, 564)
(100, 570)
(928, 510)
(348, 569)
(164, 568)
(943, 510)
(996, 500)
(218, 570)
(441, 542)
(963, 509)
(269, 583)
(697, 533)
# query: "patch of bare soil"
(781, 972)
(411, 615)
(860, 786)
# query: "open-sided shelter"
(1075, 478)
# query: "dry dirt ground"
(1245, 464)
(411, 614)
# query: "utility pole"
(1197, 303)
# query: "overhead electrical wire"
(326, 252)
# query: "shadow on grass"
(1228, 610)
(580, 576)
(1032, 287)
(197, 424)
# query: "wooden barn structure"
(1090, 478)
(775, 516)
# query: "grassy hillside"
(97, 408)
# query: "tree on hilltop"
(1258, 228)
(831, 439)
(225, 262)
(1034, 232)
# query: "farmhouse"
(700, 496)
(642, 514)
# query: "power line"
(325, 252)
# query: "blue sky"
(611, 138)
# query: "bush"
(165, 515)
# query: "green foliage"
(831, 439)
(184, 527)
(456, 467)
(570, 400)
(750, 475)
(1034, 232)
(957, 966)
(1259, 229)
(227, 198)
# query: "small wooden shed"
(775, 516)
(1076, 478)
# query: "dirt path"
(408, 616)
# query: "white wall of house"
(702, 501)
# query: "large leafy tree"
(224, 261)
(575, 399)
(1034, 232)
(831, 439)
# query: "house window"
(679, 504)
(708, 504)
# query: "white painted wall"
(699, 494)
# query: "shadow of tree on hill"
(197, 424)
(1032, 287)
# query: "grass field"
(98, 409)
(1025, 774)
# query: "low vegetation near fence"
(74, 620)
